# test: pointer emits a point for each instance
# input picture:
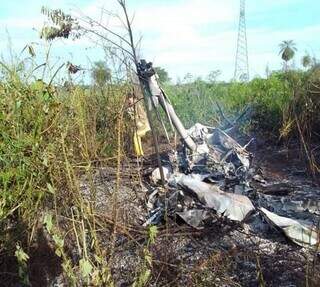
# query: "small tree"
(306, 61)
(163, 75)
(213, 75)
(287, 51)
(188, 78)
(101, 74)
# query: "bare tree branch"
(107, 39)
(91, 21)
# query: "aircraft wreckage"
(209, 174)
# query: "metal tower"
(241, 71)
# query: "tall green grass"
(271, 100)
(196, 102)
(49, 137)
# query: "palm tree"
(287, 51)
(306, 61)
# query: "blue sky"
(184, 36)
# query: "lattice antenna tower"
(241, 71)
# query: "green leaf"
(47, 220)
(148, 257)
(143, 278)
(21, 256)
(31, 51)
(18, 104)
(153, 231)
(58, 252)
(98, 258)
(45, 162)
(85, 267)
(50, 188)
(58, 241)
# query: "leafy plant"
(162, 74)
(144, 273)
(101, 74)
(63, 26)
(22, 259)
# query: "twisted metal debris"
(210, 176)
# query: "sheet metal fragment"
(234, 206)
(194, 217)
(298, 231)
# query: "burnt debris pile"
(216, 180)
(210, 177)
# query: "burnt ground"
(224, 253)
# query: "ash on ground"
(201, 240)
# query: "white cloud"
(184, 15)
(22, 23)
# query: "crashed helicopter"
(210, 172)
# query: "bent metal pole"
(169, 110)
(177, 123)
